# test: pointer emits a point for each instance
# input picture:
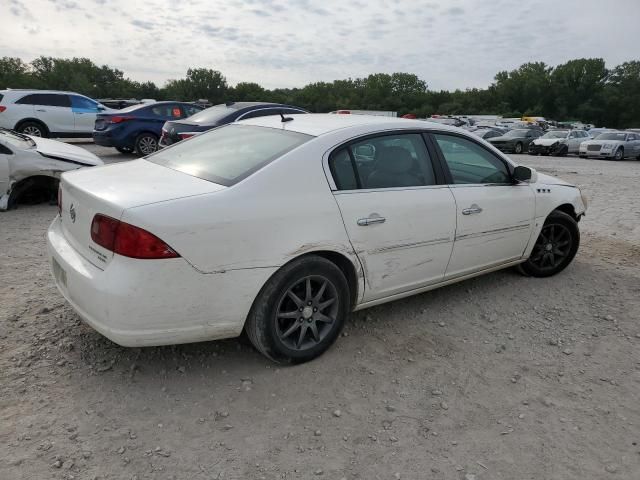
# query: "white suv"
(48, 113)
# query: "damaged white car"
(30, 167)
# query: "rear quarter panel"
(283, 211)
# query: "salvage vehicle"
(138, 128)
(48, 113)
(282, 225)
(613, 145)
(175, 130)
(515, 141)
(558, 142)
(30, 167)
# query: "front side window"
(82, 103)
(388, 161)
(228, 154)
(191, 109)
(469, 163)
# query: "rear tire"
(518, 148)
(146, 144)
(300, 311)
(35, 129)
(555, 247)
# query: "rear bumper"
(139, 303)
(104, 139)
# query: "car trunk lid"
(112, 189)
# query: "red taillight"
(128, 240)
(60, 200)
(2, 108)
(119, 119)
(186, 135)
(344, 112)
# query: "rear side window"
(191, 109)
(228, 154)
(46, 99)
(167, 110)
(388, 161)
(1, 97)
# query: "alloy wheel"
(147, 145)
(32, 130)
(552, 247)
(307, 312)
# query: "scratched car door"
(400, 221)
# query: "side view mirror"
(525, 174)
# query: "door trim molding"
(433, 286)
(496, 230)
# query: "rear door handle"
(363, 222)
(473, 209)
(41, 110)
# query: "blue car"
(138, 128)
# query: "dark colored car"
(137, 128)
(516, 141)
(176, 130)
(487, 133)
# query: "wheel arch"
(31, 120)
(569, 209)
(36, 188)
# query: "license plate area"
(59, 274)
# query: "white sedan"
(283, 225)
(30, 167)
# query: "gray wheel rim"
(619, 155)
(552, 247)
(518, 148)
(148, 145)
(32, 130)
(307, 312)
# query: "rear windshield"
(228, 154)
(212, 114)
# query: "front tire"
(518, 148)
(555, 247)
(300, 311)
(146, 144)
(562, 151)
(619, 155)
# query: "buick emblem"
(72, 213)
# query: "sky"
(288, 43)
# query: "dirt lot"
(501, 377)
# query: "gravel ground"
(500, 377)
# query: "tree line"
(581, 89)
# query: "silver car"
(616, 145)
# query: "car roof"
(317, 124)
(32, 90)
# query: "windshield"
(212, 114)
(228, 154)
(555, 134)
(16, 139)
(517, 133)
(611, 136)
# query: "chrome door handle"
(363, 222)
(40, 110)
(473, 209)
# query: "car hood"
(550, 180)
(547, 141)
(65, 152)
(600, 142)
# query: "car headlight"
(607, 146)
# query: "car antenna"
(285, 119)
